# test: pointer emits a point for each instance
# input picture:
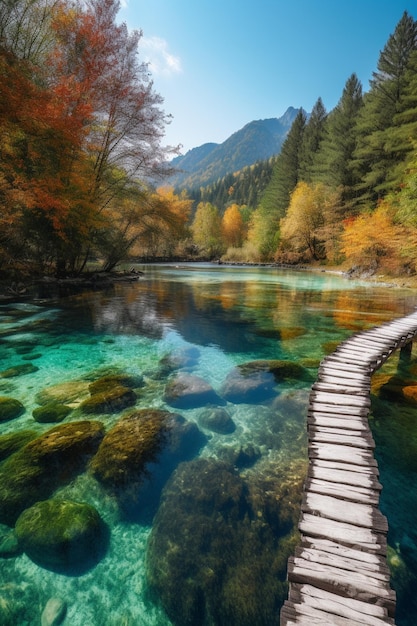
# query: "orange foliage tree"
(373, 240)
(80, 125)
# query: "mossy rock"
(19, 370)
(10, 408)
(281, 370)
(112, 401)
(71, 393)
(51, 413)
(61, 533)
(228, 545)
(44, 464)
(139, 454)
(106, 383)
(134, 441)
(12, 442)
(9, 546)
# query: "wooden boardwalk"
(339, 574)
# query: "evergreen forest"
(82, 160)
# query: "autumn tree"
(233, 227)
(83, 127)
(304, 227)
(206, 229)
(373, 239)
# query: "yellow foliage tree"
(232, 227)
(300, 228)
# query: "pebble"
(54, 612)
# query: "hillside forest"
(83, 165)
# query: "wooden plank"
(336, 409)
(331, 508)
(327, 436)
(346, 454)
(344, 374)
(344, 562)
(344, 477)
(337, 421)
(377, 561)
(371, 470)
(353, 585)
(342, 399)
(296, 615)
(344, 492)
(339, 387)
(359, 367)
(347, 534)
(334, 604)
(345, 360)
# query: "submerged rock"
(108, 382)
(250, 388)
(113, 400)
(218, 420)
(45, 463)
(61, 533)
(134, 441)
(9, 546)
(10, 408)
(51, 413)
(256, 381)
(280, 370)
(212, 557)
(145, 444)
(54, 612)
(187, 391)
(12, 442)
(19, 370)
(71, 393)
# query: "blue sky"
(220, 64)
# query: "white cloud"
(123, 4)
(161, 62)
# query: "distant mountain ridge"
(256, 141)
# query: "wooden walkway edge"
(338, 575)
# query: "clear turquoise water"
(227, 316)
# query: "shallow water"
(202, 320)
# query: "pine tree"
(311, 141)
(286, 171)
(333, 163)
(373, 156)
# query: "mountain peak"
(258, 140)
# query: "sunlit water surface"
(212, 548)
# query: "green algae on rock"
(19, 370)
(217, 563)
(51, 413)
(111, 401)
(71, 393)
(11, 442)
(134, 441)
(106, 383)
(44, 464)
(60, 533)
(10, 408)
